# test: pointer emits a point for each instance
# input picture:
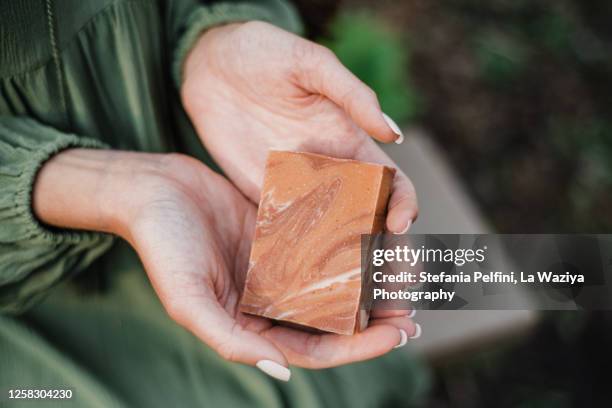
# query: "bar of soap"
(305, 259)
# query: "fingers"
(210, 322)
(402, 209)
(383, 313)
(400, 322)
(330, 350)
(320, 71)
(408, 329)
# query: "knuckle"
(226, 351)
(226, 348)
(303, 51)
(325, 53)
(347, 96)
(370, 94)
(308, 53)
(404, 200)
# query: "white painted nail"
(412, 313)
(403, 339)
(394, 128)
(417, 331)
(274, 370)
(406, 228)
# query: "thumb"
(320, 71)
(210, 322)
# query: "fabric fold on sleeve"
(201, 18)
(35, 257)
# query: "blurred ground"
(447, 209)
(517, 95)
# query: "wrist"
(97, 190)
(129, 182)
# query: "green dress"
(77, 309)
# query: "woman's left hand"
(252, 87)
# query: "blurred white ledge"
(445, 207)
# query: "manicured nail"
(394, 128)
(406, 228)
(412, 313)
(417, 331)
(403, 339)
(273, 369)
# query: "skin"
(248, 88)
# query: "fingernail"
(274, 370)
(406, 228)
(412, 313)
(403, 339)
(394, 128)
(417, 331)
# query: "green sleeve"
(188, 19)
(33, 257)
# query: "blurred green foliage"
(519, 95)
(555, 31)
(379, 58)
(587, 142)
(523, 89)
(501, 58)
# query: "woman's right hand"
(192, 230)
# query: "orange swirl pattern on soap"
(305, 260)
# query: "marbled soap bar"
(305, 260)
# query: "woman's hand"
(192, 230)
(252, 87)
